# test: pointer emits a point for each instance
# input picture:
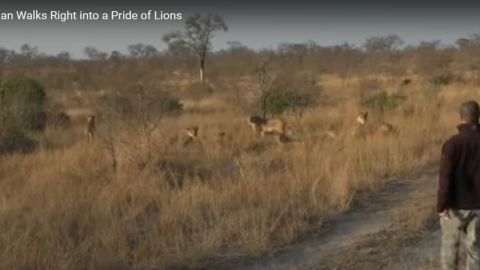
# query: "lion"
(368, 128)
(406, 81)
(222, 137)
(386, 128)
(62, 120)
(275, 126)
(331, 133)
(91, 127)
(191, 134)
(362, 118)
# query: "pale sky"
(256, 25)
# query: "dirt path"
(370, 218)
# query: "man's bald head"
(470, 112)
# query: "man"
(459, 191)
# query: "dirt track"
(363, 237)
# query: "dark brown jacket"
(459, 181)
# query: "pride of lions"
(276, 127)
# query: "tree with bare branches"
(138, 112)
(94, 54)
(199, 31)
(388, 43)
(467, 55)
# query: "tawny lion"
(362, 118)
(91, 127)
(275, 126)
(386, 128)
(224, 137)
(62, 120)
(191, 134)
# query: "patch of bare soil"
(378, 232)
(394, 249)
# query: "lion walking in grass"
(90, 128)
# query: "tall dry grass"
(64, 207)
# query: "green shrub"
(21, 101)
(169, 104)
(443, 79)
(277, 102)
(141, 102)
(383, 101)
(13, 140)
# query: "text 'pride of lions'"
(114, 15)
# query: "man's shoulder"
(452, 141)
(459, 139)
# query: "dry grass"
(63, 207)
(404, 243)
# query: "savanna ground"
(136, 197)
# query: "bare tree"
(267, 82)
(279, 90)
(6, 55)
(294, 51)
(467, 56)
(141, 50)
(116, 56)
(64, 56)
(430, 58)
(137, 112)
(28, 51)
(388, 43)
(382, 53)
(265, 85)
(236, 47)
(199, 31)
(347, 58)
(94, 54)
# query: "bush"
(137, 103)
(383, 101)
(21, 101)
(277, 102)
(13, 140)
(169, 104)
(443, 79)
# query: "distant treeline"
(382, 55)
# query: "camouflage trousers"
(462, 227)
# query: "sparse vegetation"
(198, 91)
(14, 140)
(137, 197)
(166, 204)
(384, 101)
(443, 79)
(280, 101)
(21, 102)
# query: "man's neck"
(468, 125)
(468, 122)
